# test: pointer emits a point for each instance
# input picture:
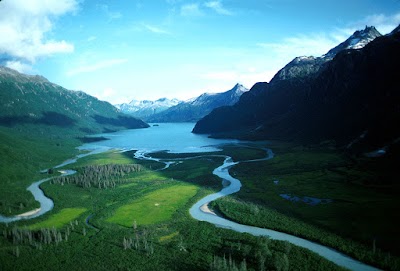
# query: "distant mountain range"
(349, 95)
(33, 100)
(145, 109)
(196, 108)
(165, 110)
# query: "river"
(177, 138)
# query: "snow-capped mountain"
(309, 65)
(196, 108)
(351, 97)
(358, 40)
(146, 108)
(229, 96)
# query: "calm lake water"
(172, 137)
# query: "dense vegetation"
(104, 176)
(352, 221)
(89, 240)
(40, 125)
(24, 153)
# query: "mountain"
(145, 109)
(304, 66)
(194, 109)
(358, 40)
(41, 124)
(33, 100)
(349, 95)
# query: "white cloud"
(106, 94)
(155, 29)
(319, 44)
(23, 28)
(197, 10)
(302, 45)
(96, 66)
(218, 7)
(191, 10)
(111, 15)
(383, 23)
(91, 38)
(19, 66)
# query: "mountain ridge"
(194, 109)
(145, 108)
(32, 99)
(320, 104)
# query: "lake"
(177, 138)
(172, 137)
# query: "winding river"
(188, 142)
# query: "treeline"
(140, 242)
(37, 238)
(100, 176)
(262, 255)
(239, 211)
(223, 264)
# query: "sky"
(120, 50)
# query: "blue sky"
(118, 50)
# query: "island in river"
(144, 213)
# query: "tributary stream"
(164, 137)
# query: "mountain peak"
(239, 88)
(396, 30)
(305, 66)
(145, 108)
(358, 40)
(20, 77)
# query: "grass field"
(167, 238)
(155, 207)
(22, 158)
(358, 219)
(59, 219)
(177, 242)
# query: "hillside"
(348, 95)
(34, 100)
(194, 109)
(41, 123)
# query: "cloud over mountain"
(24, 26)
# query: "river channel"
(177, 138)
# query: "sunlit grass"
(155, 207)
(106, 158)
(168, 237)
(59, 219)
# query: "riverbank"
(206, 209)
(171, 237)
(29, 213)
(321, 173)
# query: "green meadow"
(357, 219)
(23, 154)
(143, 223)
(98, 223)
(155, 207)
(58, 220)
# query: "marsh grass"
(359, 219)
(178, 241)
(60, 219)
(155, 207)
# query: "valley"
(116, 218)
(298, 173)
